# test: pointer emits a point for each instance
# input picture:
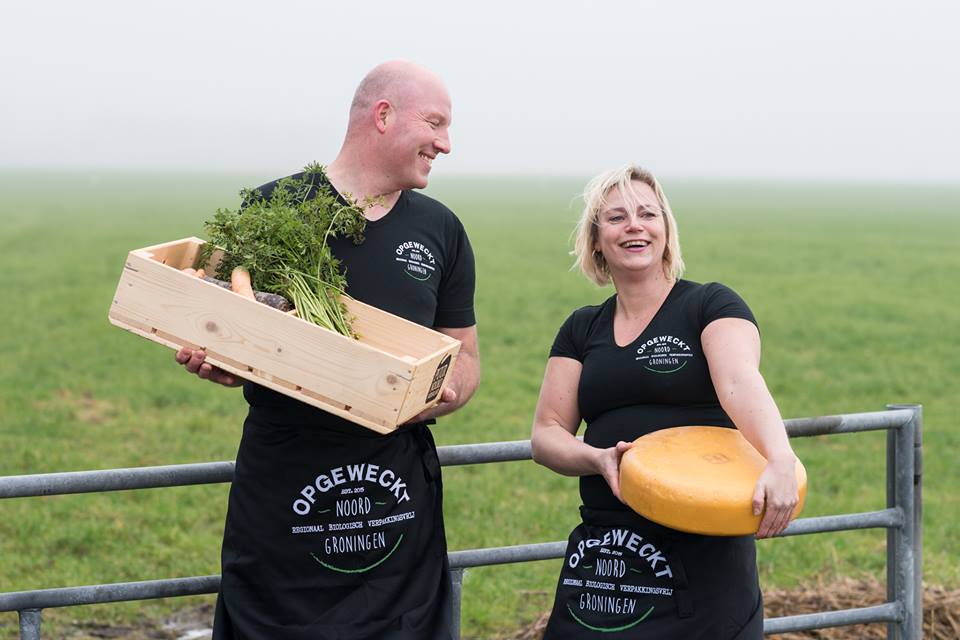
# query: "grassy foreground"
(854, 287)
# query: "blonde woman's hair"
(592, 263)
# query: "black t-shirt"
(416, 262)
(659, 380)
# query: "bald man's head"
(396, 81)
(399, 124)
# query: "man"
(334, 531)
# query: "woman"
(661, 352)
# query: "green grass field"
(854, 286)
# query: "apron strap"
(424, 439)
(681, 592)
(681, 586)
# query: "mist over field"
(856, 90)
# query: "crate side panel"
(376, 423)
(179, 254)
(429, 378)
(172, 243)
(125, 283)
(308, 356)
(393, 334)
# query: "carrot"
(240, 283)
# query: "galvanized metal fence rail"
(901, 518)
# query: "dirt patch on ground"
(941, 610)
(187, 624)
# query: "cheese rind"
(697, 479)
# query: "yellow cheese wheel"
(697, 479)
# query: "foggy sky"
(816, 90)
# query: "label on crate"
(438, 378)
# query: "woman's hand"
(608, 465)
(776, 496)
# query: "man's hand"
(463, 379)
(193, 361)
(448, 400)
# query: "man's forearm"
(465, 378)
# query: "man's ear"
(383, 114)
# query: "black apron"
(333, 538)
(627, 577)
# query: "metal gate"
(901, 518)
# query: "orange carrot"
(240, 283)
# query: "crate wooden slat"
(391, 374)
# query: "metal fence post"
(456, 577)
(914, 450)
(918, 517)
(29, 624)
(893, 533)
(906, 542)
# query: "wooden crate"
(393, 372)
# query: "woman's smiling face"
(631, 231)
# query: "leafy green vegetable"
(283, 242)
